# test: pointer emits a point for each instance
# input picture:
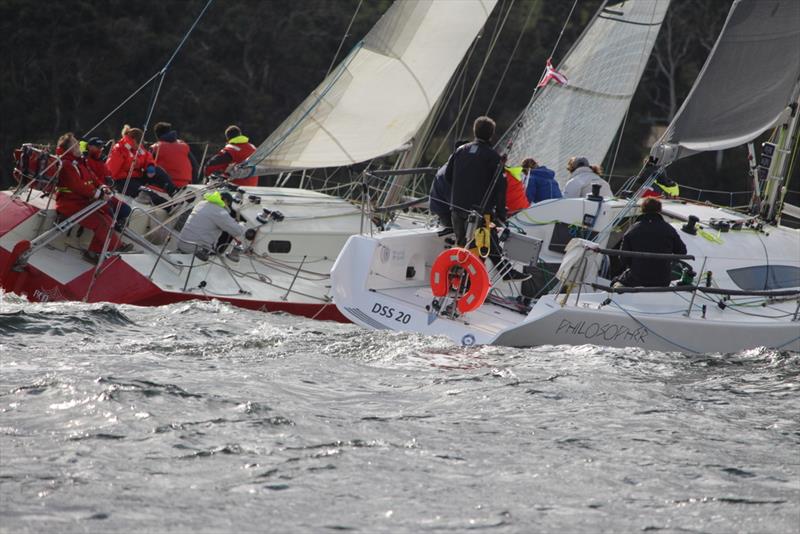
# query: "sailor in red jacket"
(234, 152)
(173, 155)
(96, 162)
(128, 162)
(78, 188)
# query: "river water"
(200, 417)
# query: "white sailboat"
(746, 292)
(370, 105)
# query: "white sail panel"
(603, 70)
(745, 84)
(378, 97)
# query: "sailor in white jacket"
(207, 222)
(581, 180)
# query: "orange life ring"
(476, 272)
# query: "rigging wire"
(518, 119)
(563, 28)
(511, 57)
(640, 68)
(162, 74)
(471, 91)
(344, 38)
(498, 30)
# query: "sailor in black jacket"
(651, 233)
(473, 171)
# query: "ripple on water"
(212, 418)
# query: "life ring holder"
(479, 283)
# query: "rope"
(640, 323)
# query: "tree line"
(70, 63)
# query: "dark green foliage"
(67, 64)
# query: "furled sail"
(378, 97)
(603, 70)
(745, 84)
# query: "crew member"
(208, 220)
(516, 199)
(651, 233)
(542, 184)
(128, 163)
(96, 163)
(173, 155)
(478, 183)
(583, 176)
(77, 189)
(237, 149)
(441, 192)
(663, 187)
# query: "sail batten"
(380, 95)
(745, 84)
(603, 70)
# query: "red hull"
(118, 282)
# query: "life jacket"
(662, 190)
(173, 157)
(239, 148)
(77, 185)
(516, 199)
(122, 154)
(98, 168)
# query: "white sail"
(603, 69)
(378, 97)
(746, 82)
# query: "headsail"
(745, 84)
(603, 69)
(379, 96)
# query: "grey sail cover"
(603, 70)
(745, 84)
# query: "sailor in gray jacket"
(581, 179)
(207, 222)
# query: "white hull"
(371, 288)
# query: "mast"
(774, 189)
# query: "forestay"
(378, 97)
(745, 84)
(603, 69)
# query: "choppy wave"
(202, 417)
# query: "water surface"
(200, 417)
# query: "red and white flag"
(552, 74)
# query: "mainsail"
(745, 84)
(603, 69)
(374, 102)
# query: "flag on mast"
(551, 73)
